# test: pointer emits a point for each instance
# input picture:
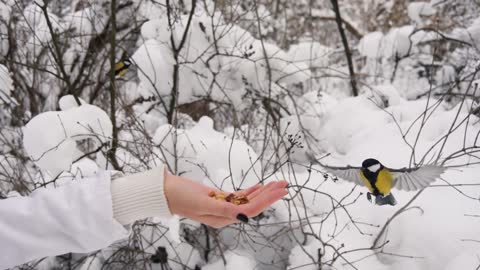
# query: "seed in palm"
(231, 198)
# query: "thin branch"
(113, 96)
(348, 53)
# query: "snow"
(85, 167)
(412, 233)
(471, 34)
(217, 265)
(155, 29)
(86, 23)
(396, 43)
(313, 54)
(174, 229)
(54, 148)
(35, 18)
(160, 62)
(180, 255)
(347, 119)
(242, 61)
(201, 149)
(356, 129)
(68, 102)
(385, 95)
(417, 10)
(283, 70)
(466, 260)
(305, 257)
(369, 45)
(446, 75)
(6, 85)
(349, 125)
(236, 260)
(5, 11)
(474, 30)
(400, 43)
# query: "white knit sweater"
(139, 196)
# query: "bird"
(121, 67)
(380, 180)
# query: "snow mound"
(208, 155)
(470, 34)
(50, 137)
(225, 72)
(385, 95)
(314, 54)
(370, 45)
(68, 102)
(35, 19)
(417, 10)
(396, 43)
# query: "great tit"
(121, 67)
(380, 180)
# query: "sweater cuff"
(140, 196)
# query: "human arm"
(159, 193)
(87, 214)
(75, 217)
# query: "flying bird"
(380, 180)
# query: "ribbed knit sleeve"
(140, 196)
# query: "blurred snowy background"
(231, 93)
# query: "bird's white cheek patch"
(374, 168)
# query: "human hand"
(190, 199)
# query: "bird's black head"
(127, 62)
(372, 165)
(369, 162)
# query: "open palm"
(190, 199)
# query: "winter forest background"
(231, 93)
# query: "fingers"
(249, 190)
(255, 190)
(260, 190)
(270, 186)
(264, 197)
(259, 199)
(224, 213)
(262, 201)
(219, 208)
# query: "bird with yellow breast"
(380, 180)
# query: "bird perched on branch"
(121, 67)
(380, 180)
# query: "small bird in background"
(380, 180)
(121, 67)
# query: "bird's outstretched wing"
(351, 174)
(414, 179)
(348, 173)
